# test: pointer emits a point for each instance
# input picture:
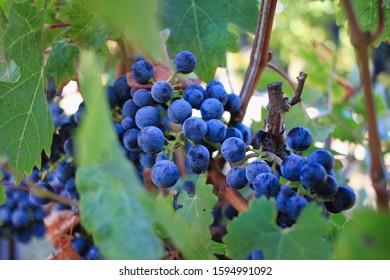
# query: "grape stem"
(362, 40)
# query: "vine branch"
(361, 40)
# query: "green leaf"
(257, 229)
(297, 116)
(201, 26)
(197, 210)
(367, 15)
(60, 63)
(114, 206)
(26, 125)
(365, 237)
(3, 197)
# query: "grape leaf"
(3, 197)
(365, 237)
(257, 228)
(114, 206)
(26, 125)
(60, 63)
(201, 26)
(367, 15)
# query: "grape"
(312, 175)
(162, 156)
(198, 158)
(246, 132)
(328, 189)
(38, 200)
(70, 187)
(130, 139)
(233, 132)
(162, 92)
(5, 214)
(266, 184)
(299, 138)
(142, 71)
(344, 199)
(189, 187)
(211, 109)
(80, 245)
(129, 109)
(322, 157)
(179, 111)
(142, 97)
(146, 160)
(121, 88)
(119, 130)
(218, 92)
(185, 62)
(128, 123)
(256, 255)
(23, 235)
(213, 83)
(291, 167)
(233, 149)
(294, 205)
(230, 212)
(20, 218)
(165, 174)
(92, 253)
(255, 168)
(236, 177)
(113, 99)
(68, 148)
(281, 198)
(147, 116)
(64, 171)
(194, 96)
(216, 131)
(194, 128)
(233, 103)
(150, 139)
(284, 220)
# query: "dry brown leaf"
(58, 224)
(66, 250)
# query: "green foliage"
(367, 15)
(197, 210)
(365, 237)
(201, 26)
(60, 63)
(2, 192)
(26, 125)
(113, 202)
(257, 229)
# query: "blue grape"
(194, 128)
(233, 149)
(38, 200)
(211, 109)
(218, 92)
(198, 158)
(179, 111)
(185, 62)
(151, 139)
(147, 116)
(216, 131)
(233, 132)
(165, 174)
(128, 123)
(23, 235)
(299, 138)
(213, 83)
(129, 109)
(323, 157)
(70, 187)
(142, 71)
(294, 205)
(20, 218)
(236, 177)
(121, 88)
(119, 130)
(246, 132)
(312, 175)
(266, 184)
(68, 147)
(230, 212)
(328, 189)
(38, 229)
(256, 255)
(64, 171)
(255, 168)
(113, 99)
(291, 167)
(162, 156)
(162, 92)
(194, 96)
(344, 199)
(92, 253)
(142, 97)
(80, 245)
(130, 139)
(281, 198)
(146, 160)
(233, 103)
(35, 175)
(5, 214)
(189, 187)
(283, 220)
